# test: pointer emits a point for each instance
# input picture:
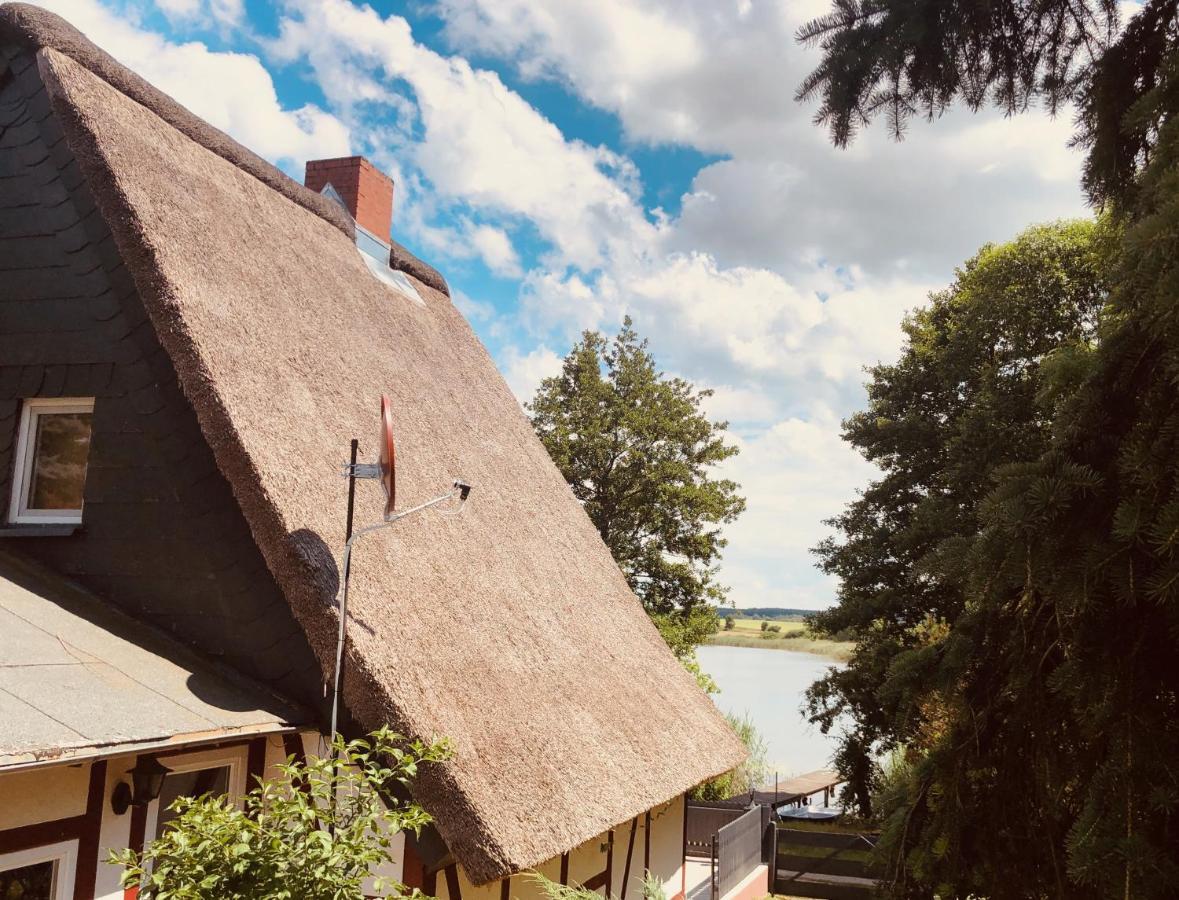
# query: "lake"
(768, 686)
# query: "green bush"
(315, 833)
(747, 776)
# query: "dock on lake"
(799, 789)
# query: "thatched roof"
(508, 628)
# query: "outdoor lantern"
(147, 778)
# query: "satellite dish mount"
(385, 471)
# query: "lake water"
(768, 687)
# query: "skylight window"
(52, 453)
(375, 254)
(392, 278)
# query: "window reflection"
(59, 461)
(33, 882)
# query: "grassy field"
(793, 636)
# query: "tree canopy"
(967, 658)
(971, 392)
(638, 452)
(1018, 642)
(901, 58)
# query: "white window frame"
(22, 470)
(64, 855)
(233, 758)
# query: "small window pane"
(188, 784)
(33, 882)
(59, 462)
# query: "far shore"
(791, 636)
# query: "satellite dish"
(388, 457)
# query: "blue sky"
(568, 163)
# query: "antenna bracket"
(360, 470)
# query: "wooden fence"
(740, 848)
(823, 864)
(704, 820)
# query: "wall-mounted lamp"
(147, 778)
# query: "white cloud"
(794, 475)
(496, 250)
(481, 142)
(232, 91)
(721, 78)
(786, 271)
(525, 371)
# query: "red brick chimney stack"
(365, 189)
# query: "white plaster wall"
(589, 859)
(41, 795)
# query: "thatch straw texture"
(508, 628)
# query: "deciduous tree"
(974, 389)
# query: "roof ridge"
(38, 29)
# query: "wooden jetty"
(799, 789)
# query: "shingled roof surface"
(79, 679)
(508, 628)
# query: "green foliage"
(652, 889)
(765, 626)
(730, 623)
(748, 776)
(637, 450)
(1038, 696)
(967, 396)
(1021, 644)
(901, 58)
(290, 839)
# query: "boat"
(811, 812)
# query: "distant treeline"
(766, 612)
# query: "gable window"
(52, 448)
(40, 873)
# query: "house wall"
(162, 535)
(658, 848)
(71, 804)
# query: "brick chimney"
(365, 190)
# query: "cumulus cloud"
(795, 474)
(233, 91)
(785, 271)
(721, 77)
(525, 371)
(481, 142)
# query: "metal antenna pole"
(351, 487)
(460, 490)
(339, 671)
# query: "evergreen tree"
(902, 58)
(637, 450)
(1058, 685)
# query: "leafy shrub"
(314, 833)
(747, 776)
